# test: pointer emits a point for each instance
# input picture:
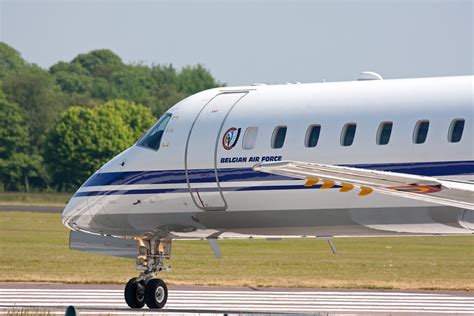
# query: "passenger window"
(348, 134)
(421, 131)
(250, 137)
(455, 130)
(152, 138)
(278, 138)
(384, 132)
(312, 135)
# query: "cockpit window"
(152, 139)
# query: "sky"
(244, 42)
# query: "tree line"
(58, 125)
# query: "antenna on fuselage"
(369, 75)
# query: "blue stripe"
(179, 177)
(185, 190)
(439, 168)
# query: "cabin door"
(201, 152)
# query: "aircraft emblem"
(231, 136)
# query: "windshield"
(152, 138)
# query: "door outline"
(212, 208)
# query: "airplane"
(369, 157)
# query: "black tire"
(134, 293)
(156, 293)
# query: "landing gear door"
(201, 150)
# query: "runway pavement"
(31, 208)
(108, 299)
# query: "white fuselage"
(198, 183)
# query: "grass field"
(34, 247)
(43, 198)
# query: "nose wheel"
(147, 288)
(154, 293)
(135, 293)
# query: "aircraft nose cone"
(69, 209)
(74, 212)
(68, 213)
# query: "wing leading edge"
(428, 189)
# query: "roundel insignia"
(230, 138)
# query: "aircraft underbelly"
(275, 212)
(319, 222)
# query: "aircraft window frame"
(380, 133)
(250, 137)
(276, 136)
(416, 132)
(160, 125)
(309, 135)
(345, 141)
(451, 131)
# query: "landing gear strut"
(147, 288)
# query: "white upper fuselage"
(195, 183)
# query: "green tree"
(10, 61)
(17, 165)
(164, 75)
(13, 131)
(194, 79)
(137, 117)
(33, 100)
(80, 142)
(101, 62)
(20, 170)
(72, 68)
(84, 139)
(2, 95)
(164, 91)
(72, 78)
(34, 90)
(131, 83)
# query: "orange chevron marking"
(310, 181)
(365, 191)
(346, 187)
(327, 184)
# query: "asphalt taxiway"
(31, 208)
(108, 299)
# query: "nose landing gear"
(156, 293)
(135, 293)
(147, 288)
